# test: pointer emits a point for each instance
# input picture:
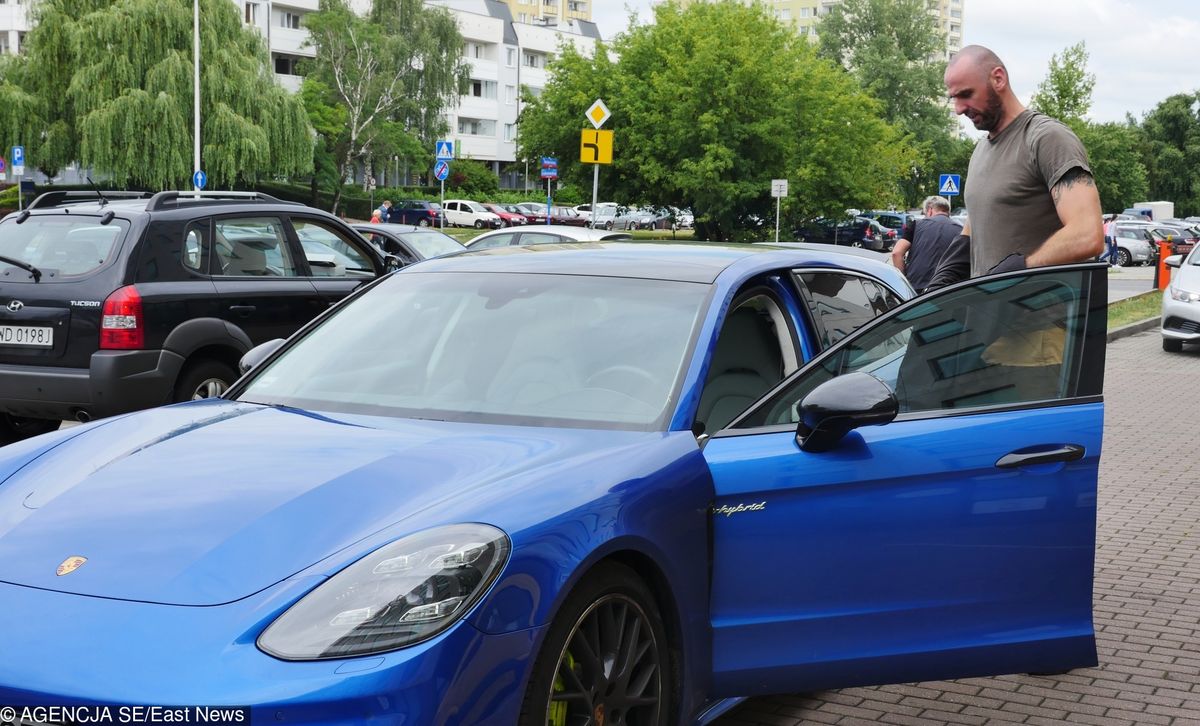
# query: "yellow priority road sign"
(595, 147)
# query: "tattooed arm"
(1082, 234)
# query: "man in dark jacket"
(931, 239)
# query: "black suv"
(125, 301)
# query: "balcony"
(289, 83)
(290, 41)
(309, 5)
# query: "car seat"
(746, 364)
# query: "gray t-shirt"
(1008, 187)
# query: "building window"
(483, 89)
(511, 58)
(290, 20)
(476, 127)
(287, 65)
(534, 60)
(534, 91)
(252, 13)
(783, 13)
(577, 6)
(510, 95)
(806, 12)
(510, 132)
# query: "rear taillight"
(122, 325)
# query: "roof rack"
(53, 199)
(162, 199)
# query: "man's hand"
(1082, 235)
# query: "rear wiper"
(37, 274)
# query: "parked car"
(558, 215)
(425, 509)
(1136, 243)
(124, 301)
(632, 218)
(853, 231)
(510, 215)
(603, 218)
(409, 244)
(891, 219)
(1181, 302)
(542, 234)
(418, 212)
(465, 213)
(1182, 235)
(531, 209)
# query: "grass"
(1135, 309)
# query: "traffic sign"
(549, 167)
(199, 179)
(445, 150)
(595, 147)
(3, 169)
(18, 156)
(441, 170)
(597, 113)
(950, 185)
(779, 187)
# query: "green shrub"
(472, 179)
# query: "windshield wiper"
(37, 274)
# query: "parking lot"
(1147, 593)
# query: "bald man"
(1029, 192)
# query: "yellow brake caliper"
(557, 715)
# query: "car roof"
(389, 227)
(579, 234)
(700, 262)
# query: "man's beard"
(989, 118)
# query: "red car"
(509, 214)
(558, 215)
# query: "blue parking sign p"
(18, 156)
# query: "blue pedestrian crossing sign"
(441, 170)
(445, 150)
(950, 185)
(199, 179)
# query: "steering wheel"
(636, 380)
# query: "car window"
(430, 243)
(752, 355)
(838, 303)
(1013, 340)
(329, 253)
(252, 247)
(496, 240)
(541, 238)
(60, 245)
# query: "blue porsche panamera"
(607, 483)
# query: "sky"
(1140, 52)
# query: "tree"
(108, 83)
(893, 48)
(1172, 151)
(1066, 91)
(472, 179)
(1116, 163)
(392, 72)
(711, 102)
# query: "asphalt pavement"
(1147, 583)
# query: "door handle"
(1064, 453)
(242, 310)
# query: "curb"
(1133, 328)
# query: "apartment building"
(279, 21)
(550, 12)
(805, 14)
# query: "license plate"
(27, 336)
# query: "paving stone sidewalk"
(1147, 593)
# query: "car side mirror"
(392, 263)
(391, 246)
(258, 354)
(1174, 261)
(842, 404)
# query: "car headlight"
(400, 594)
(1184, 295)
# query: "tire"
(423, 222)
(611, 601)
(1124, 259)
(203, 378)
(857, 243)
(1172, 346)
(479, 224)
(608, 226)
(16, 428)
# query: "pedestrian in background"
(1110, 241)
(919, 257)
(385, 211)
(1029, 186)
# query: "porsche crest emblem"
(69, 565)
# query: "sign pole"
(196, 86)
(549, 201)
(443, 219)
(778, 200)
(595, 191)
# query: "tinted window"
(329, 254)
(194, 257)
(541, 238)
(839, 303)
(59, 245)
(496, 240)
(995, 343)
(252, 247)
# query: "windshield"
(58, 245)
(523, 349)
(431, 244)
(475, 206)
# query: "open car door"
(954, 540)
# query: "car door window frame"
(1088, 348)
(817, 327)
(298, 263)
(326, 224)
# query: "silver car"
(1181, 302)
(542, 234)
(1135, 243)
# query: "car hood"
(206, 504)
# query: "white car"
(1181, 302)
(465, 213)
